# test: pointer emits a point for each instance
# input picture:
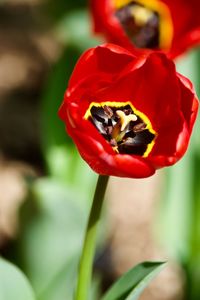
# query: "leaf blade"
(13, 283)
(131, 285)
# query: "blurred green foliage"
(54, 217)
(180, 206)
(56, 10)
(51, 240)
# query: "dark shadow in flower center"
(141, 24)
(126, 132)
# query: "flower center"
(127, 130)
(147, 23)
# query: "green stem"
(86, 261)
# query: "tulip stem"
(86, 260)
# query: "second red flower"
(170, 26)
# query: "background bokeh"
(46, 189)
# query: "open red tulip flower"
(128, 115)
(172, 26)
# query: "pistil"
(124, 119)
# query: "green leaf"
(53, 129)
(132, 284)
(13, 283)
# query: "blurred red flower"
(172, 26)
(128, 116)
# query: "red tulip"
(128, 115)
(172, 26)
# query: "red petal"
(108, 58)
(189, 102)
(111, 164)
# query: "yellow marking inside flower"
(166, 24)
(134, 116)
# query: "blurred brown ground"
(27, 52)
(132, 210)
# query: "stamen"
(124, 119)
(139, 127)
